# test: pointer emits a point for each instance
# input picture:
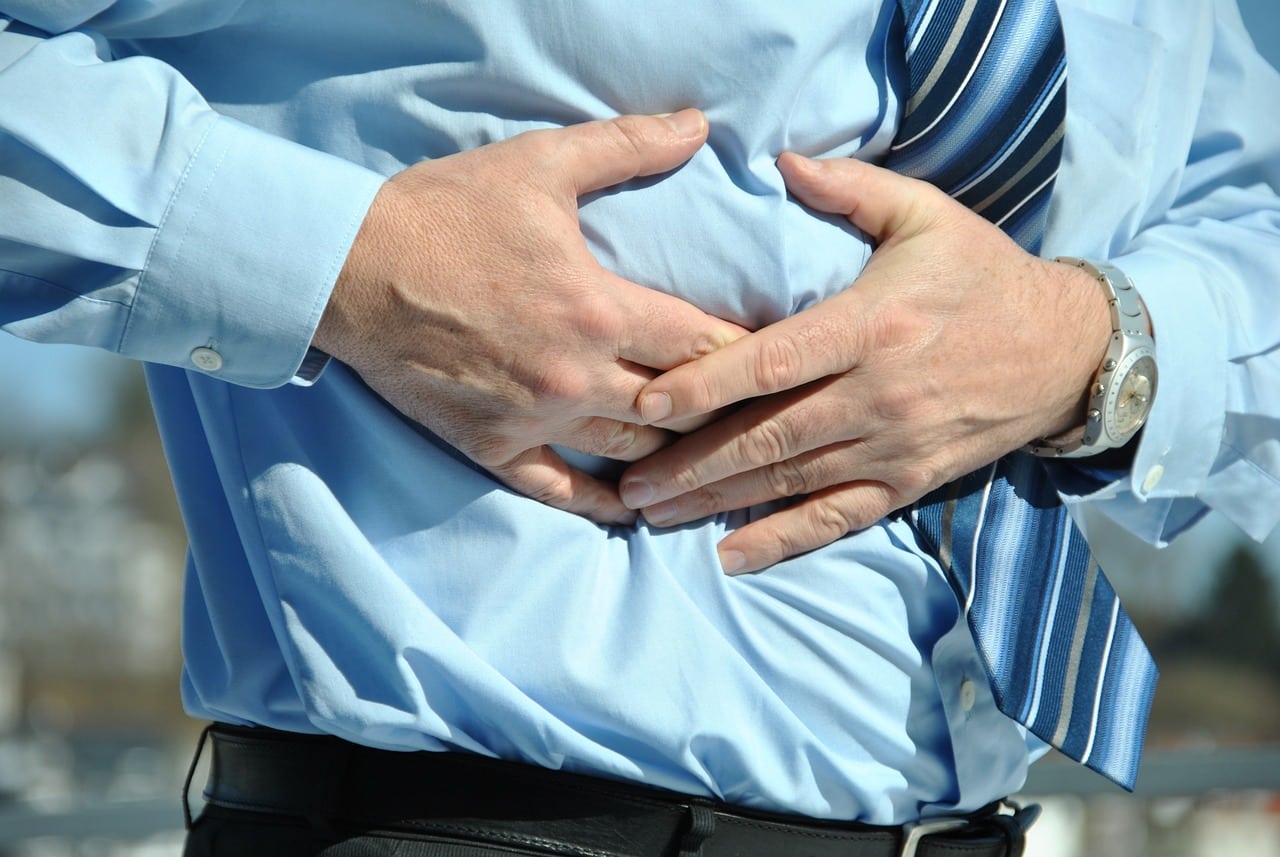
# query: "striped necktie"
(984, 121)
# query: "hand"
(472, 304)
(953, 348)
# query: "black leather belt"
(345, 786)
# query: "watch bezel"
(1110, 416)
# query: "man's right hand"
(471, 303)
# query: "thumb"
(608, 151)
(880, 202)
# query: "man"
(428, 550)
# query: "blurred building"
(88, 586)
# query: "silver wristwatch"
(1125, 385)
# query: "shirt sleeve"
(135, 218)
(1187, 134)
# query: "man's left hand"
(954, 347)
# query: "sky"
(68, 389)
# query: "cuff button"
(1154, 475)
(206, 359)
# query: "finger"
(690, 424)
(755, 437)
(621, 441)
(734, 445)
(812, 523)
(661, 331)
(826, 339)
(605, 152)
(804, 474)
(880, 202)
(609, 392)
(544, 476)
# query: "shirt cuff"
(313, 366)
(1182, 437)
(246, 256)
(1189, 410)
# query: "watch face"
(1131, 395)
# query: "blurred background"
(94, 745)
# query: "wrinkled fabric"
(188, 174)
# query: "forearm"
(1201, 240)
(136, 219)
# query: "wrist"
(1083, 332)
(1118, 397)
(342, 327)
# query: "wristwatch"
(1125, 385)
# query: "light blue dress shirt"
(180, 181)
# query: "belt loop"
(702, 824)
(191, 774)
(1015, 826)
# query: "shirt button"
(206, 359)
(968, 695)
(1154, 475)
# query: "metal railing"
(1168, 773)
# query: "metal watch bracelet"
(1130, 347)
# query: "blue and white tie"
(984, 121)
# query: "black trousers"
(284, 795)
(221, 832)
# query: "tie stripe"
(1045, 619)
(984, 120)
(987, 90)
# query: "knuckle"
(619, 440)
(544, 143)
(778, 365)
(699, 502)
(765, 443)
(492, 453)
(710, 334)
(915, 480)
(831, 520)
(538, 150)
(703, 344)
(686, 480)
(703, 392)
(897, 402)
(795, 541)
(872, 504)
(555, 491)
(592, 315)
(558, 386)
(628, 134)
(786, 479)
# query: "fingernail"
(660, 513)
(687, 123)
(654, 407)
(803, 162)
(733, 562)
(636, 494)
